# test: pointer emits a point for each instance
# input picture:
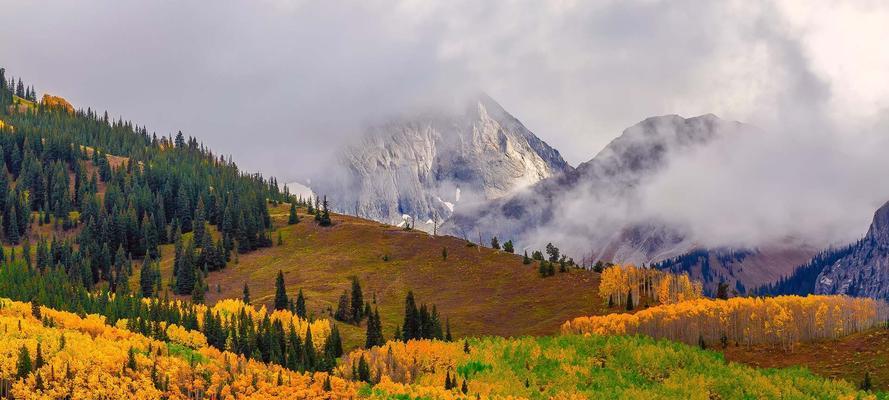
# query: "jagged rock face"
(613, 177)
(865, 271)
(426, 165)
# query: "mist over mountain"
(425, 165)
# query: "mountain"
(741, 269)
(863, 269)
(424, 165)
(605, 191)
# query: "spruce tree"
(508, 247)
(495, 244)
(293, 218)
(23, 364)
(526, 260)
(411, 326)
(301, 304)
(246, 294)
(357, 301)
(363, 370)
(280, 292)
(325, 214)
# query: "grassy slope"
(482, 291)
(845, 358)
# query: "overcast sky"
(278, 83)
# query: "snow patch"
(299, 190)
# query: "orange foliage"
(781, 320)
(86, 359)
(646, 284)
(51, 101)
(406, 362)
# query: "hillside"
(846, 358)
(481, 291)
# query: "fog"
(281, 85)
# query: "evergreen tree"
(508, 247)
(630, 301)
(131, 359)
(293, 218)
(246, 296)
(301, 305)
(374, 336)
(411, 325)
(23, 364)
(495, 244)
(363, 370)
(343, 310)
(199, 222)
(526, 260)
(38, 359)
(325, 214)
(444, 253)
(280, 292)
(357, 301)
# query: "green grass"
(630, 367)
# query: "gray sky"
(272, 81)
(277, 84)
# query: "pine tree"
(363, 370)
(444, 253)
(301, 305)
(495, 244)
(131, 359)
(357, 301)
(448, 337)
(280, 292)
(293, 218)
(325, 214)
(146, 279)
(38, 359)
(866, 384)
(246, 296)
(508, 247)
(464, 388)
(411, 326)
(630, 301)
(199, 222)
(23, 364)
(526, 260)
(343, 309)
(374, 336)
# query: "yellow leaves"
(781, 320)
(92, 363)
(619, 281)
(185, 337)
(51, 101)
(404, 362)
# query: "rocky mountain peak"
(424, 165)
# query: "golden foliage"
(781, 320)
(86, 359)
(618, 282)
(406, 362)
(51, 101)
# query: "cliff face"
(425, 166)
(864, 271)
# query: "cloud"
(282, 84)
